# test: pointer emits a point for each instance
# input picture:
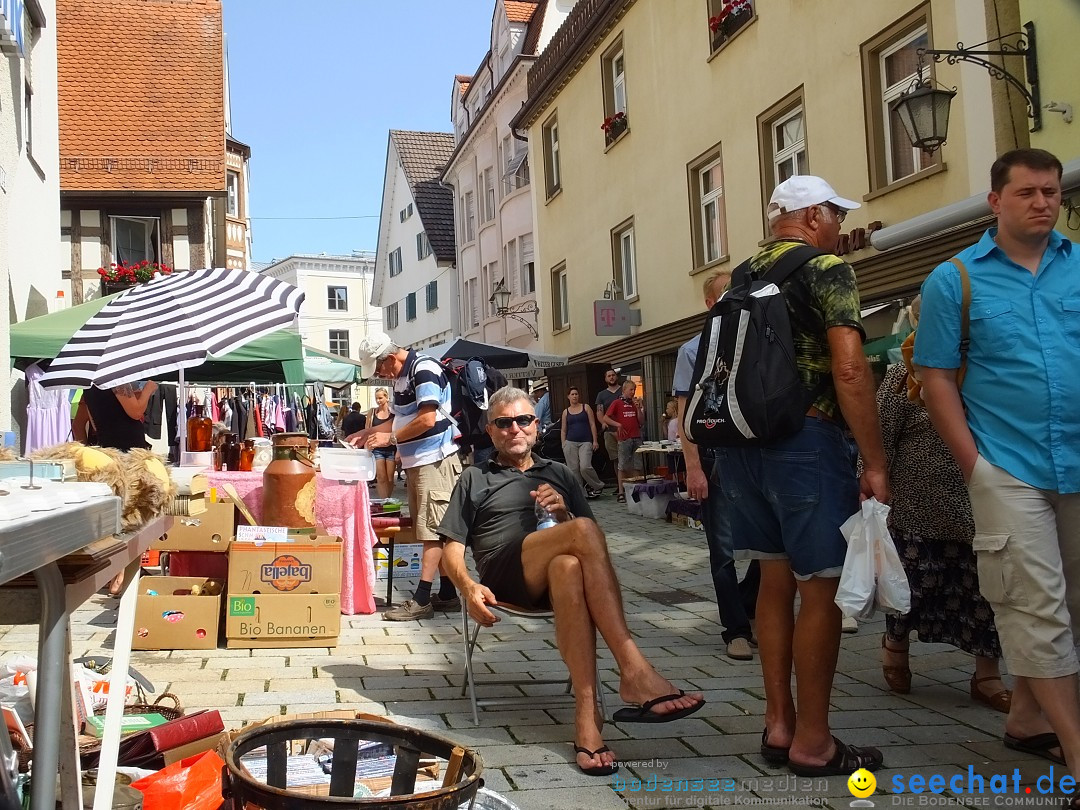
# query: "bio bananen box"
(313, 567)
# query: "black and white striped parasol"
(173, 322)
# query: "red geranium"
(133, 273)
(614, 123)
(733, 7)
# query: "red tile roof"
(463, 84)
(519, 11)
(141, 95)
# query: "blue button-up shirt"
(1022, 388)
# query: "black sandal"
(595, 770)
(772, 754)
(846, 760)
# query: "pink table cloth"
(344, 509)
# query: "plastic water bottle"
(544, 518)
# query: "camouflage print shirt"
(819, 295)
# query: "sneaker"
(447, 605)
(408, 611)
(849, 625)
(739, 649)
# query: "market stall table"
(34, 545)
(674, 451)
(342, 507)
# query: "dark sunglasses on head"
(523, 421)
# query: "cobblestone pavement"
(412, 672)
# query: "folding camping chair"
(471, 682)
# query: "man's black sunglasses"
(523, 421)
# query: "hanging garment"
(153, 416)
(48, 415)
(215, 409)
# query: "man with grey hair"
(788, 497)
(565, 566)
(423, 433)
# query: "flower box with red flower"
(118, 277)
(732, 17)
(614, 126)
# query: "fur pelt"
(144, 495)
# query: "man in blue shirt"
(1013, 425)
(539, 393)
(735, 601)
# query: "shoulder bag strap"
(965, 319)
(790, 262)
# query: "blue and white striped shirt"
(422, 382)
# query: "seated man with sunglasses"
(565, 566)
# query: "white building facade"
(490, 175)
(415, 278)
(30, 254)
(337, 312)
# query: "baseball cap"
(373, 347)
(802, 191)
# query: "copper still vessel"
(288, 497)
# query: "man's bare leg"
(815, 647)
(775, 629)
(582, 538)
(575, 636)
(1026, 719)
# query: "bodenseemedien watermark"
(663, 791)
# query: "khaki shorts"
(430, 486)
(1027, 541)
(611, 445)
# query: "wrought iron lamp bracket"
(1019, 44)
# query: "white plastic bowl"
(342, 464)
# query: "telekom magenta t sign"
(614, 317)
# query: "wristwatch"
(393, 439)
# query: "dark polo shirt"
(491, 506)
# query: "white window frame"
(510, 262)
(472, 295)
(232, 193)
(714, 198)
(552, 168)
(560, 315)
(335, 339)
(423, 246)
(392, 316)
(788, 153)
(333, 301)
(626, 262)
(618, 83)
(394, 262)
(528, 265)
(889, 94)
(152, 237)
(487, 189)
(470, 216)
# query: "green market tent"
(332, 369)
(274, 358)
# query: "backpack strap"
(790, 262)
(965, 310)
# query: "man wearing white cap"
(423, 433)
(788, 497)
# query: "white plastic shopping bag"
(873, 576)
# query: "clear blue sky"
(316, 86)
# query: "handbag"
(873, 577)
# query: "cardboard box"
(173, 619)
(406, 560)
(282, 620)
(211, 531)
(192, 748)
(313, 566)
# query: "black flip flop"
(596, 770)
(845, 761)
(1038, 745)
(642, 713)
(772, 754)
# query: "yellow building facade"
(719, 102)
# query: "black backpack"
(472, 382)
(746, 384)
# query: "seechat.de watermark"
(968, 789)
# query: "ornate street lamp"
(500, 299)
(924, 109)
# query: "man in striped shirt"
(423, 432)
